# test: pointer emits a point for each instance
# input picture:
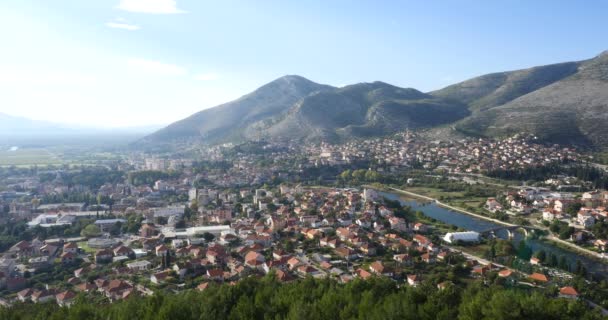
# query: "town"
(174, 223)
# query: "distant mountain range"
(17, 130)
(563, 103)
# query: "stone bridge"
(510, 230)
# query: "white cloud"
(150, 6)
(157, 67)
(120, 23)
(206, 76)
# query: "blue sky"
(113, 63)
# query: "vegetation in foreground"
(377, 298)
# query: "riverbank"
(570, 246)
(552, 239)
(447, 206)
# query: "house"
(182, 252)
(363, 274)
(561, 205)
(103, 256)
(398, 224)
(534, 261)
(49, 250)
(346, 253)
(442, 256)
(293, 263)
(115, 289)
(587, 221)
(41, 296)
(85, 287)
(161, 250)
(368, 249)
(65, 298)
(202, 286)
(147, 231)
(215, 274)
(403, 258)
(284, 276)
(428, 258)
(329, 242)
(538, 277)
(413, 280)
(480, 270)
(568, 293)
(84, 270)
(506, 273)
(254, 260)
(68, 258)
(25, 294)
(70, 247)
(141, 265)
(422, 240)
(160, 277)
(419, 227)
(124, 251)
(493, 205)
(22, 249)
(216, 254)
(307, 270)
(550, 215)
(379, 268)
(601, 244)
(578, 236)
(444, 285)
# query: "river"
(471, 223)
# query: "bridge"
(510, 230)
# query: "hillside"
(564, 103)
(228, 121)
(363, 110)
(292, 107)
(570, 110)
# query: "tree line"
(267, 298)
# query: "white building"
(467, 236)
(139, 265)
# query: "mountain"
(363, 110)
(293, 107)
(19, 126)
(562, 103)
(227, 122)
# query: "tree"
(523, 251)
(208, 236)
(91, 231)
(563, 263)
(541, 255)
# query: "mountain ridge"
(559, 102)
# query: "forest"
(376, 298)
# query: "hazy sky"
(138, 62)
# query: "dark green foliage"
(265, 298)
